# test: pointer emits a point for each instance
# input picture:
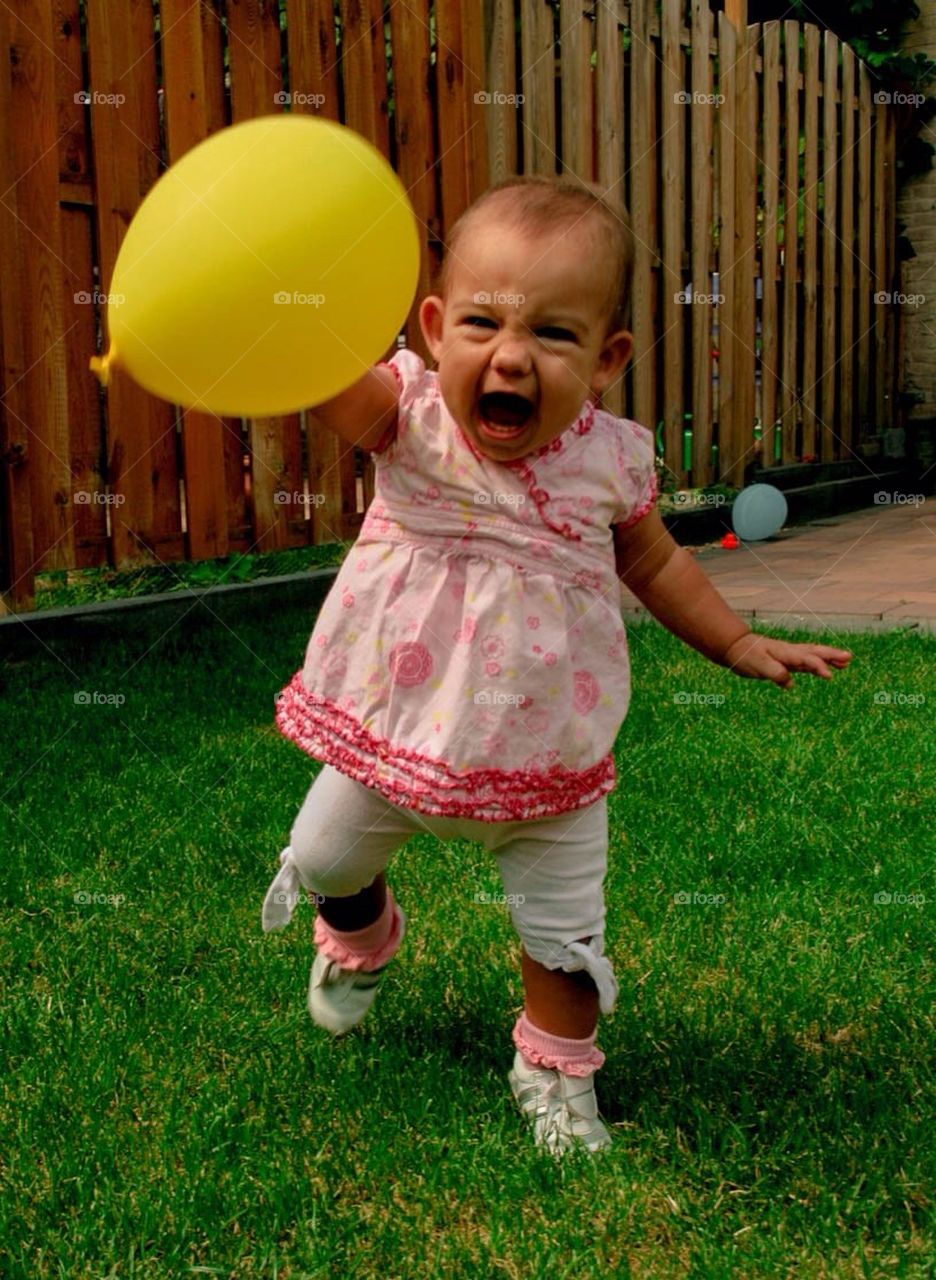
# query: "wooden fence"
(756, 164)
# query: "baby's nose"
(512, 353)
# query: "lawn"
(169, 1109)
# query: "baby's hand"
(763, 658)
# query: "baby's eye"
(479, 319)
(563, 335)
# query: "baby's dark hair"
(537, 204)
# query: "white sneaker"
(563, 1108)
(339, 998)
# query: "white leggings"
(552, 869)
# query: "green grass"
(169, 1109)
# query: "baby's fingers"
(835, 657)
(812, 664)
(812, 659)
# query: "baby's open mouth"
(505, 409)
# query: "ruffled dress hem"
(412, 780)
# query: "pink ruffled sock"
(560, 1053)
(362, 949)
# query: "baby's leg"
(342, 840)
(564, 1004)
(553, 873)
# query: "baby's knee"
(583, 957)
(322, 869)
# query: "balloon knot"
(101, 366)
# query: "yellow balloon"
(265, 271)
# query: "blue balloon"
(758, 511)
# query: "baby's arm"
(669, 582)
(362, 414)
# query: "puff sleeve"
(409, 370)
(634, 472)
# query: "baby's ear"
(615, 353)
(431, 317)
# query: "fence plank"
(537, 83)
(865, 414)
(41, 272)
(85, 417)
(142, 464)
(502, 118)
(609, 97)
(577, 89)
(18, 580)
(364, 72)
(674, 311)
(849, 237)
(790, 376)
(194, 98)
(366, 110)
(893, 316)
(313, 58)
(476, 153)
(609, 139)
(881, 284)
(415, 152)
(703, 170)
(75, 174)
(769, 354)
(239, 518)
(452, 112)
(275, 443)
(810, 236)
(830, 338)
(83, 411)
(743, 319)
(643, 128)
(727, 244)
(314, 89)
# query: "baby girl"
(468, 673)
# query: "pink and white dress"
(470, 659)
